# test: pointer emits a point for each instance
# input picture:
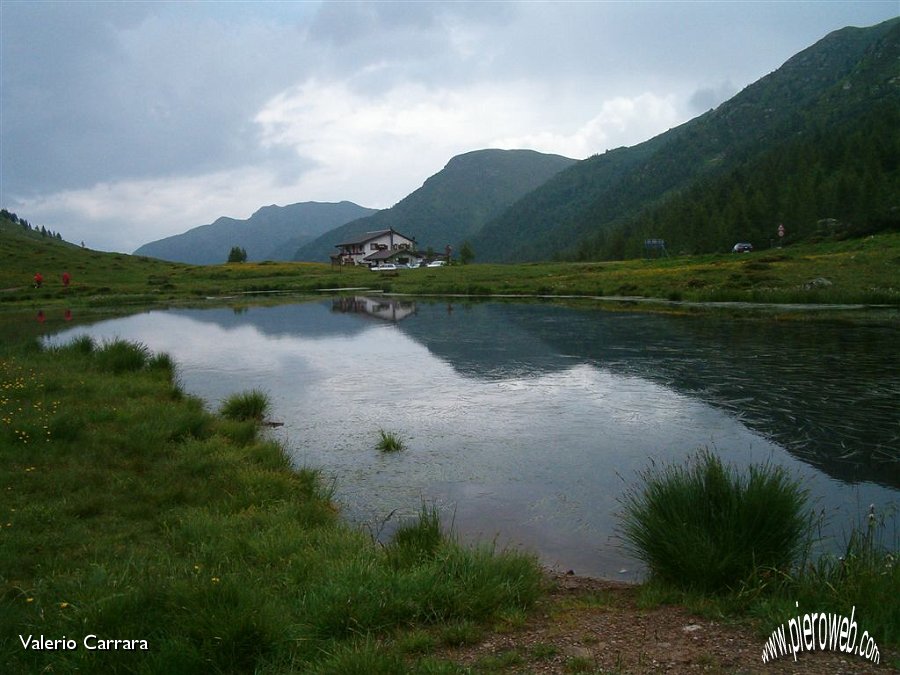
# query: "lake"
(525, 423)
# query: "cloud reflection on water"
(525, 436)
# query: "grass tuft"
(705, 527)
(250, 405)
(83, 344)
(416, 542)
(390, 442)
(120, 356)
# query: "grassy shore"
(732, 543)
(855, 271)
(131, 513)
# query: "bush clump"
(705, 527)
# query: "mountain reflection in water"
(525, 422)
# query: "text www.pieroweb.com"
(820, 631)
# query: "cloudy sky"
(124, 122)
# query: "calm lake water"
(525, 423)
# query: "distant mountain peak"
(454, 203)
(273, 232)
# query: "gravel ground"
(594, 626)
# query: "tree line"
(826, 183)
(28, 227)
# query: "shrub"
(249, 405)
(705, 527)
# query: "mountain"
(453, 204)
(272, 233)
(775, 151)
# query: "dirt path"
(593, 626)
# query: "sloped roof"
(368, 236)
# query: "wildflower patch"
(25, 413)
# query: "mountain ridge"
(605, 191)
(272, 233)
(454, 203)
(522, 205)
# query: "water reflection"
(384, 308)
(525, 421)
(41, 316)
(828, 393)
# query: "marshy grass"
(120, 356)
(249, 405)
(865, 575)
(151, 518)
(390, 441)
(417, 541)
(703, 526)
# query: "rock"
(579, 652)
(820, 282)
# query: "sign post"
(780, 235)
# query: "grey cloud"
(343, 23)
(132, 93)
(375, 45)
(107, 92)
(707, 98)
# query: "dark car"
(742, 248)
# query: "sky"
(125, 122)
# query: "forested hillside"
(453, 204)
(813, 141)
(831, 183)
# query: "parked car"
(742, 247)
(437, 263)
(387, 267)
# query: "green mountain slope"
(590, 210)
(455, 203)
(24, 251)
(272, 233)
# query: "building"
(377, 247)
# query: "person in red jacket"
(66, 279)
(38, 280)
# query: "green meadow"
(132, 513)
(864, 270)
